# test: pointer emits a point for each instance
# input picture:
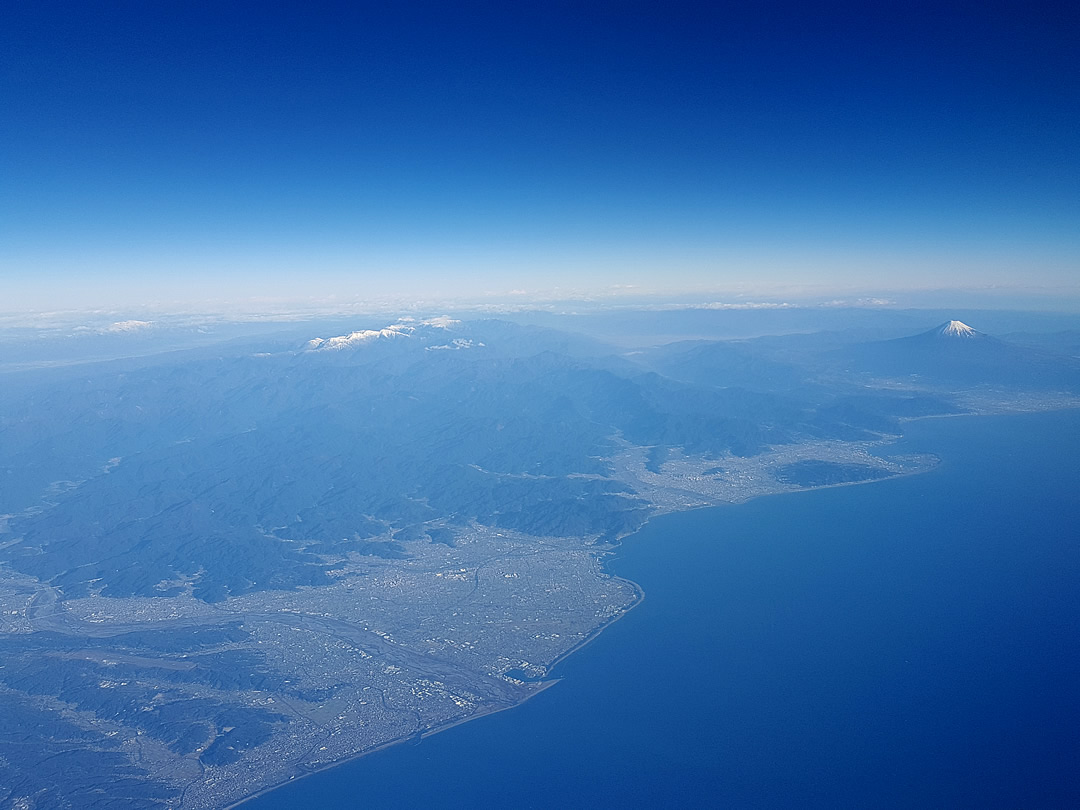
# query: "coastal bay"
(908, 642)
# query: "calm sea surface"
(907, 643)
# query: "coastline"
(456, 755)
(639, 593)
(540, 686)
(547, 683)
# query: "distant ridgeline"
(231, 473)
(337, 543)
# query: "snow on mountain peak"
(957, 329)
(404, 328)
(397, 330)
(457, 344)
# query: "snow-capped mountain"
(957, 329)
(405, 328)
(955, 353)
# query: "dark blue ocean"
(910, 643)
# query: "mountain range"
(253, 469)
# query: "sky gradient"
(187, 151)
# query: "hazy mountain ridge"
(950, 356)
(269, 455)
(418, 521)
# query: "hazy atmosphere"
(197, 154)
(550, 405)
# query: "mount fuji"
(954, 353)
(957, 329)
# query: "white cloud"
(747, 305)
(129, 326)
(859, 302)
(441, 322)
(118, 328)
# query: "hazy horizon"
(47, 305)
(178, 158)
(352, 353)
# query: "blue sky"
(178, 151)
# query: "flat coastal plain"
(280, 684)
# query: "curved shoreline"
(611, 562)
(639, 593)
(541, 686)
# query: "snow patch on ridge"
(456, 344)
(361, 337)
(404, 328)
